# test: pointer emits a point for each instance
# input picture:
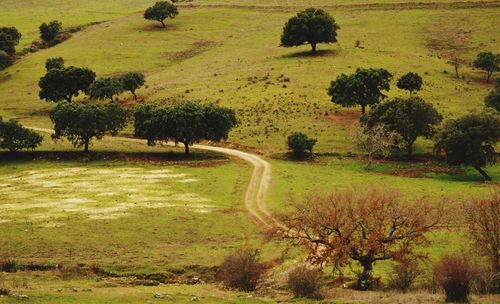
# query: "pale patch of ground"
(46, 196)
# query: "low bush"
(5, 60)
(241, 270)
(306, 282)
(299, 143)
(404, 274)
(4, 292)
(8, 265)
(455, 275)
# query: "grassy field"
(129, 211)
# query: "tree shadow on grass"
(197, 158)
(154, 27)
(309, 54)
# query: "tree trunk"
(410, 150)
(489, 76)
(456, 71)
(86, 146)
(68, 98)
(133, 93)
(313, 47)
(186, 148)
(163, 23)
(363, 109)
(483, 173)
(364, 279)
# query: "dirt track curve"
(257, 187)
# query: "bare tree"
(377, 141)
(363, 226)
(483, 218)
(456, 65)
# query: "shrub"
(455, 274)
(486, 280)
(404, 274)
(241, 270)
(306, 282)
(54, 63)
(8, 265)
(4, 292)
(48, 32)
(299, 143)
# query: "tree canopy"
(132, 81)
(488, 62)
(65, 83)
(311, 26)
(410, 118)
(357, 225)
(9, 38)
(363, 88)
(492, 100)
(54, 63)
(14, 137)
(185, 122)
(161, 11)
(410, 82)
(470, 140)
(79, 123)
(48, 32)
(104, 88)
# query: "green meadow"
(144, 210)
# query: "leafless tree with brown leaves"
(363, 226)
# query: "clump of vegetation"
(79, 123)
(300, 144)
(8, 265)
(54, 63)
(363, 88)
(470, 140)
(50, 31)
(455, 274)
(363, 226)
(311, 26)
(306, 282)
(410, 82)
(241, 270)
(492, 100)
(488, 62)
(161, 11)
(132, 82)
(404, 273)
(377, 140)
(9, 38)
(410, 118)
(105, 88)
(185, 122)
(483, 219)
(65, 83)
(14, 137)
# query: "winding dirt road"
(257, 187)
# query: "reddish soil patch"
(197, 48)
(421, 172)
(448, 40)
(348, 119)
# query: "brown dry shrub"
(404, 274)
(306, 282)
(455, 275)
(241, 270)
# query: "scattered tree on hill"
(363, 88)
(300, 143)
(493, 99)
(410, 118)
(79, 123)
(9, 38)
(65, 83)
(470, 140)
(54, 63)
(132, 81)
(362, 226)
(48, 32)
(104, 88)
(410, 82)
(483, 218)
(161, 11)
(488, 62)
(456, 65)
(311, 26)
(185, 122)
(14, 137)
(377, 140)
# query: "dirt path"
(257, 187)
